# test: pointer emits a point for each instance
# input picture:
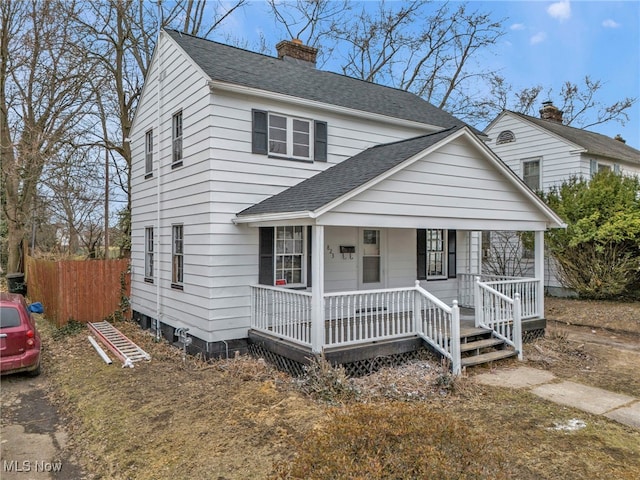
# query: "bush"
(598, 255)
(394, 440)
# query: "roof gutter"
(273, 217)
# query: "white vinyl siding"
(561, 159)
(452, 188)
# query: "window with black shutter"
(436, 254)
(282, 136)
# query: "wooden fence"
(82, 290)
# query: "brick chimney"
(619, 138)
(550, 112)
(296, 51)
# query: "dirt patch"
(238, 418)
(603, 315)
(594, 343)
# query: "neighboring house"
(302, 211)
(544, 153)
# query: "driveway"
(33, 441)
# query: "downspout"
(156, 238)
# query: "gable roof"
(323, 191)
(236, 66)
(342, 178)
(593, 143)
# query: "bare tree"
(74, 189)
(200, 17)
(42, 102)
(579, 103)
(428, 48)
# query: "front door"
(371, 271)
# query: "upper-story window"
(148, 154)
(531, 173)
(506, 136)
(279, 135)
(176, 159)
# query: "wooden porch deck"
(377, 349)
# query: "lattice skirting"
(531, 335)
(358, 368)
(282, 363)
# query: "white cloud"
(517, 26)
(560, 10)
(609, 23)
(538, 38)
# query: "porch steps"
(478, 346)
(487, 357)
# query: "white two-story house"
(544, 153)
(308, 212)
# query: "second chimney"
(550, 112)
(296, 51)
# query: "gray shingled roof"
(241, 67)
(342, 178)
(594, 143)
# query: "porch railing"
(282, 312)
(496, 311)
(366, 315)
(527, 288)
(357, 317)
(439, 325)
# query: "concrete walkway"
(621, 408)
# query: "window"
(177, 259)
(285, 256)
(506, 136)
(371, 256)
(289, 253)
(148, 151)
(177, 140)
(9, 317)
(289, 137)
(436, 254)
(531, 173)
(148, 254)
(283, 136)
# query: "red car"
(19, 339)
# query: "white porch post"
(317, 289)
(539, 270)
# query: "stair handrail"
(449, 347)
(480, 321)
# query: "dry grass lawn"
(240, 419)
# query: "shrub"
(395, 440)
(598, 255)
(326, 382)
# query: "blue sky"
(546, 43)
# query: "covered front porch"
(381, 253)
(352, 326)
